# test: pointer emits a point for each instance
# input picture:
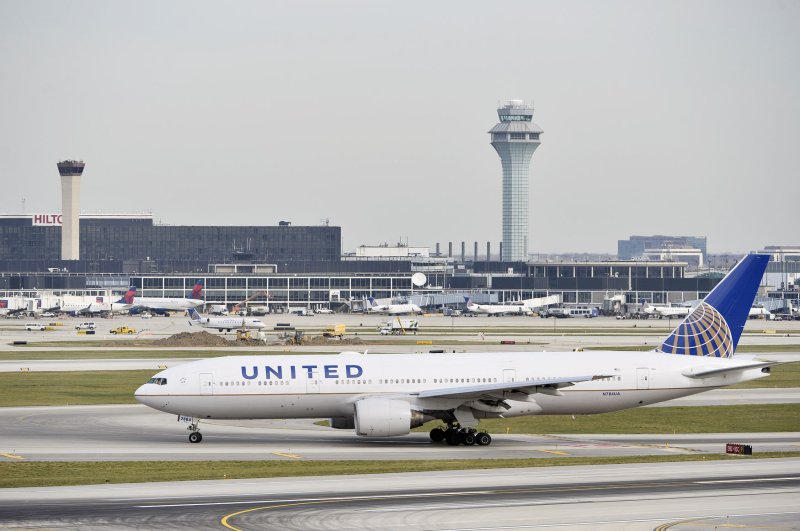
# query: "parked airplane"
(225, 323)
(91, 305)
(386, 395)
(165, 305)
(662, 311)
(392, 309)
(497, 309)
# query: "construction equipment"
(237, 308)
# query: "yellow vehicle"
(338, 330)
(123, 330)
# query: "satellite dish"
(419, 279)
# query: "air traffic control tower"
(515, 139)
(71, 172)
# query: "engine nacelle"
(343, 423)
(383, 417)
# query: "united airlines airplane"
(385, 395)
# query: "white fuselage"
(314, 386)
(669, 311)
(396, 309)
(498, 309)
(166, 303)
(229, 323)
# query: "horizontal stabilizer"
(707, 372)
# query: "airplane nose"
(141, 394)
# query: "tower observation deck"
(515, 139)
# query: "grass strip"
(48, 473)
(70, 388)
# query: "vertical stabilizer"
(715, 325)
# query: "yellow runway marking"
(12, 456)
(225, 519)
(290, 456)
(554, 452)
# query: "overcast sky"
(675, 117)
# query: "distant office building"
(515, 139)
(635, 246)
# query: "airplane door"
(509, 375)
(312, 383)
(206, 383)
(643, 378)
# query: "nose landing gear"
(194, 433)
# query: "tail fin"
(372, 301)
(128, 297)
(197, 291)
(466, 300)
(193, 315)
(715, 325)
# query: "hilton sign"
(46, 220)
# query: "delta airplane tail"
(194, 316)
(372, 301)
(715, 325)
(128, 297)
(197, 291)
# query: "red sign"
(46, 220)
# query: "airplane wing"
(499, 391)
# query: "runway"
(135, 432)
(677, 496)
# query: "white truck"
(399, 326)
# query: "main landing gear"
(466, 436)
(194, 433)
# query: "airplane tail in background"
(194, 316)
(372, 301)
(714, 327)
(197, 291)
(128, 297)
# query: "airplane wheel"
(437, 435)
(195, 437)
(468, 439)
(483, 439)
(452, 437)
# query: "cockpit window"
(157, 381)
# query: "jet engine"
(383, 417)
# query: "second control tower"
(515, 139)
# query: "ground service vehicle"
(399, 326)
(123, 330)
(334, 331)
(88, 325)
(34, 326)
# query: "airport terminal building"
(124, 243)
